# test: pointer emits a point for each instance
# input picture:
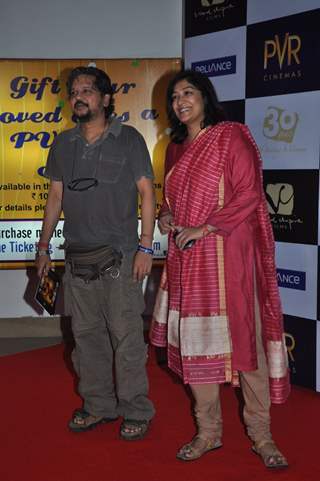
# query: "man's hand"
(142, 266)
(165, 223)
(43, 264)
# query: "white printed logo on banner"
(280, 199)
(280, 125)
(290, 279)
(215, 67)
(221, 56)
(211, 3)
(297, 278)
(286, 130)
(261, 10)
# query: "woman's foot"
(270, 455)
(197, 448)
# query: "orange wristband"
(42, 244)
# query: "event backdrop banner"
(292, 197)
(206, 16)
(220, 56)
(301, 346)
(281, 55)
(261, 57)
(34, 109)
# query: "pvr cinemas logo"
(282, 58)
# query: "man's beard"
(85, 117)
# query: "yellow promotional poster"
(34, 109)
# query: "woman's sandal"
(83, 421)
(197, 448)
(133, 429)
(270, 455)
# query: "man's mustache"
(79, 104)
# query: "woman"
(218, 306)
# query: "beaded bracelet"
(146, 250)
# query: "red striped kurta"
(205, 313)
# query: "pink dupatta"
(191, 317)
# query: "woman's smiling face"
(187, 103)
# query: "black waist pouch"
(92, 264)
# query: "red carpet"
(37, 398)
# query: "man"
(96, 171)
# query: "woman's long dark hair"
(213, 112)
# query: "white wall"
(81, 29)
(90, 29)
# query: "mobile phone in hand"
(188, 244)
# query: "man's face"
(86, 101)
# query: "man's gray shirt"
(107, 213)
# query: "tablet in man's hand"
(47, 290)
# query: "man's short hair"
(101, 81)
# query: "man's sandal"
(133, 429)
(271, 457)
(83, 421)
(197, 448)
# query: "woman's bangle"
(205, 231)
(146, 250)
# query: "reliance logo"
(216, 66)
(291, 279)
